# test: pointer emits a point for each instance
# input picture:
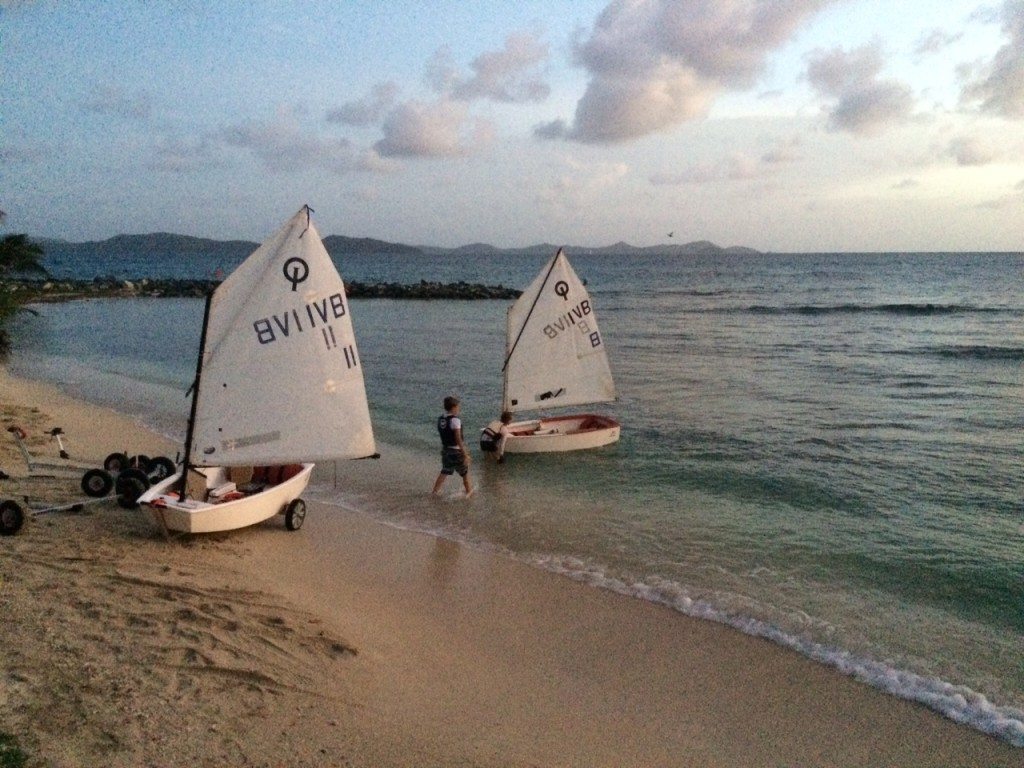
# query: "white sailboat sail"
(555, 354)
(282, 380)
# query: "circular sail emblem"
(562, 289)
(295, 270)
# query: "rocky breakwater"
(28, 291)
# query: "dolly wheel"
(97, 483)
(294, 514)
(129, 485)
(160, 468)
(115, 462)
(11, 518)
(141, 461)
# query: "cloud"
(998, 88)
(435, 129)
(738, 166)
(441, 73)
(575, 187)
(654, 64)
(1014, 200)
(785, 152)
(556, 129)
(368, 110)
(115, 101)
(510, 75)
(445, 127)
(282, 145)
(971, 150)
(735, 167)
(936, 41)
(907, 184)
(864, 104)
(178, 156)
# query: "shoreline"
(461, 656)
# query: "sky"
(781, 125)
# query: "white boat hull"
(196, 516)
(562, 433)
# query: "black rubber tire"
(294, 514)
(160, 468)
(11, 518)
(115, 462)
(139, 462)
(97, 483)
(129, 491)
(129, 485)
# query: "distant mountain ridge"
(167, 244)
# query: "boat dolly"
(129, 477)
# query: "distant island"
(163, 244)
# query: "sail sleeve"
(282, 378)
(555, 353)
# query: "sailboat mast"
(195, 399)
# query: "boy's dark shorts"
(453, 460)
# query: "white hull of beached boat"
(209, 516)
(561, 433)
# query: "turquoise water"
(824, 450)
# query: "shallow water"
(821, 449)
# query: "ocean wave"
(980, 352)
(956, 702)
(966, 352)
(910, 309)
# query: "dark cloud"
(368, 110)
(863, 103)
(658, 63)
(999, 87)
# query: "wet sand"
(351, 643)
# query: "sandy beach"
(351, 643)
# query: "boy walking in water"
(454, 456)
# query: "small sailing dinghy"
(278, 385)
(555, 357)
